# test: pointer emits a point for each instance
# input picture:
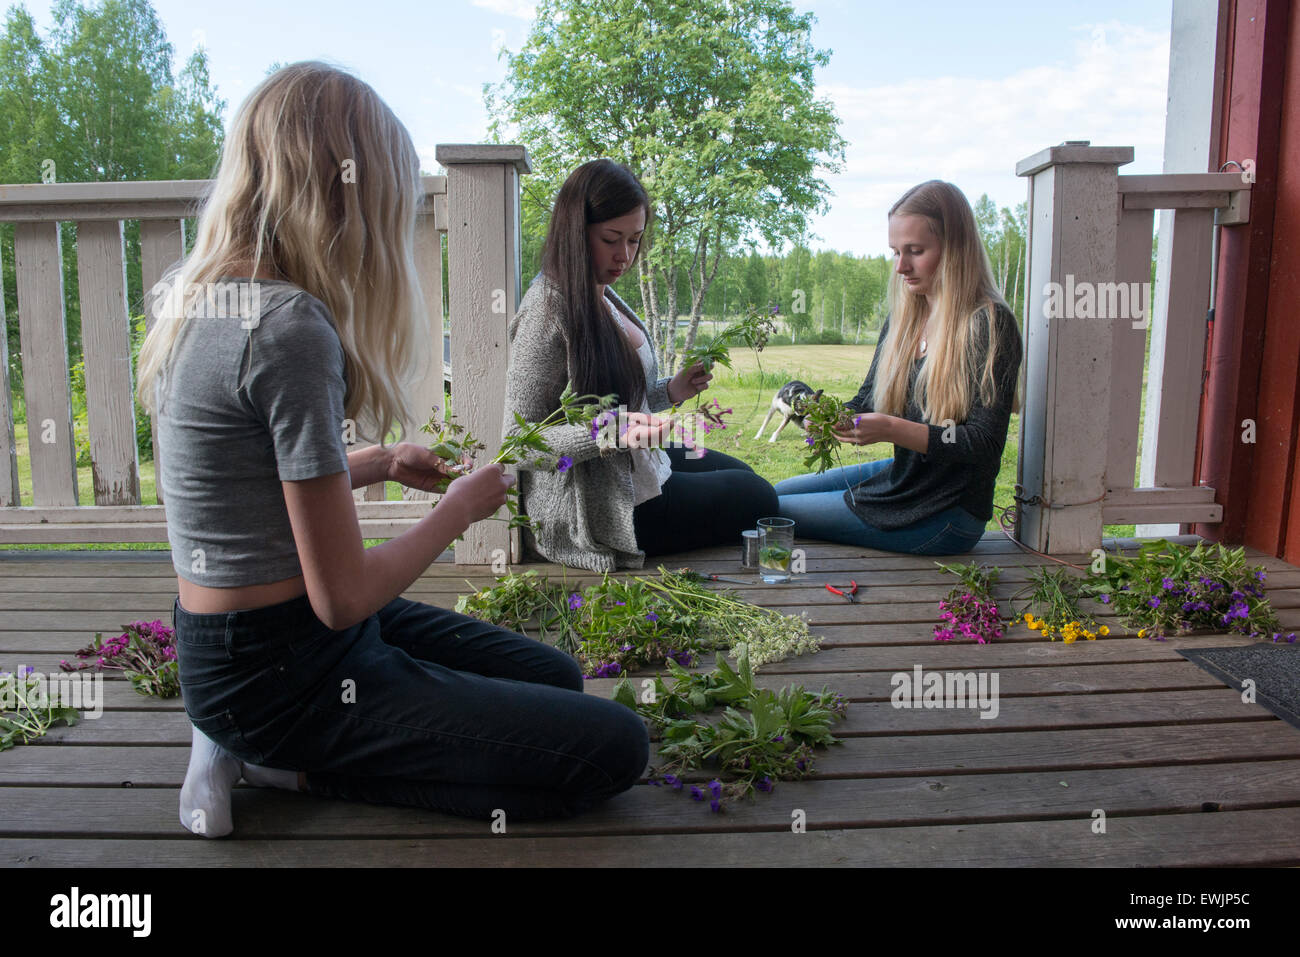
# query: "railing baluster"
(162, 244)
(1178, 352)
(38, 263)
(9, 493)
(106, 345)
(1128, 347)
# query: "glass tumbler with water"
(775, 547)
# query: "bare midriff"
(204, 600)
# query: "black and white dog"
(788, 402)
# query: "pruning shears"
(851, 595)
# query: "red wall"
(1254, 362)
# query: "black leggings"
(707, 501)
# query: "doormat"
(1275, 670)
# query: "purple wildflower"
(1154, 602)
(1105, 598)
(564, 464)
(575, 601)
(696, 793)
(715, 788)
(651, 616)
(673, 781)
(809, 441)
(715, 805)
(765, 784)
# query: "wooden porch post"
(1065, 423)
(483, 265)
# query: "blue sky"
(951, 90)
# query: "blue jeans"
(416, 705)
(816, 503)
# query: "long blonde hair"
(965, 300)
(283, 198)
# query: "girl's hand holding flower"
(689, 382)
(865, 429)
(645, 431)
(414, 466)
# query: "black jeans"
(707, 501)
(416, 705)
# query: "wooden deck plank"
(906, 754)
(934, 655)
(1070, 680)
(1037, 713)
(896, 602)
(801, 585)
(879, 802)
(1236, 838)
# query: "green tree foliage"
(1004, 233)
(97, 100)
(711, 102)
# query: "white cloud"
(1109, 88)
(510, 8)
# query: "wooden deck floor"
(1122, 724)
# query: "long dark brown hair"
(601, 360)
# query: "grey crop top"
(243, 405)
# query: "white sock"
(261, 777)
(205, 796)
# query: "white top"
(651, 468)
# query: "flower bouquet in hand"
(457, 446)
(753, 331)
(822, 415)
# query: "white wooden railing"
(1090, 228)
(475, 205)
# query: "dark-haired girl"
(612, 508)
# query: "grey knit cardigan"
(584, 513)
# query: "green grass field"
(837, 369)
(747, 389)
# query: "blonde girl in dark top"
(941, 388)
(300, 665)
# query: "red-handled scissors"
(851, 595)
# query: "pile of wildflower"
(1170, 589)
(621, 624)
(1056, 595)
(26, 710)
(761, 737)
(969, 610)
(145, 653)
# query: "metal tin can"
(749, 548)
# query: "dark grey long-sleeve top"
(962, 471)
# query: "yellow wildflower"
(1104, 630)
